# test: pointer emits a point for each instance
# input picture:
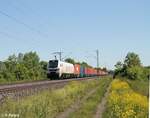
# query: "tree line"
(131, 68)
(22, 67)
(28, 66)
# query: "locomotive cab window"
(53, 64)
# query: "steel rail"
(26, 89)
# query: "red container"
(77, 69)
(99, 72)
(86, 71)
(95, 72)
(92, 71)
(89, 71)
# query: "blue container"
(82, 71)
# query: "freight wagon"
(60, 69)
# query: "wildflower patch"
(123, 102)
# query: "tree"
(119, 65)
(84, 64)
(2, 66)
(43, 64)
(119, 69)
(70, 60)
(134, 72)
(32, 62)
(132, 59)
(22, 72)
(2, 70)
(20, 57)
(11, 63)
(131, 68)
(23, 67)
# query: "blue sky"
(76, 27)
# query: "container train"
(60, 69)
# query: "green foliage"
(22, 67)
(132, 59)
(84, 64)
(119, 68)
(119, 65)
(70, 60)
(2, 70)
(136, 72)
(131, 68)
(43, 65)
(140, 86)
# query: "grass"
(88, 108)
(124, 102)
(140, 86)
(48, 104)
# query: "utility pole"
(149, 74)
(97, 55)
(60, 55)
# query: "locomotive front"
(53, 69)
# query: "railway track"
(17, 91)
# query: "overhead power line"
(10, 36)
(60, 54)
(7, 35)
(22, 23)
(22, 7)
(65, 57)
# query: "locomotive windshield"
(53, 64)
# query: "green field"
(49, 104)
(88, 108)
(125, 100)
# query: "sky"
(77, 28)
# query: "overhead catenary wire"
(7, 35)
(23, 23)
(65, 57)
(12, 37)
(25, 7)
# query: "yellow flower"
(123, 102)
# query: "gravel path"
(76, 105)
(101, 107)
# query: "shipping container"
(86, 71)
(82, 71)
(77, 70)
